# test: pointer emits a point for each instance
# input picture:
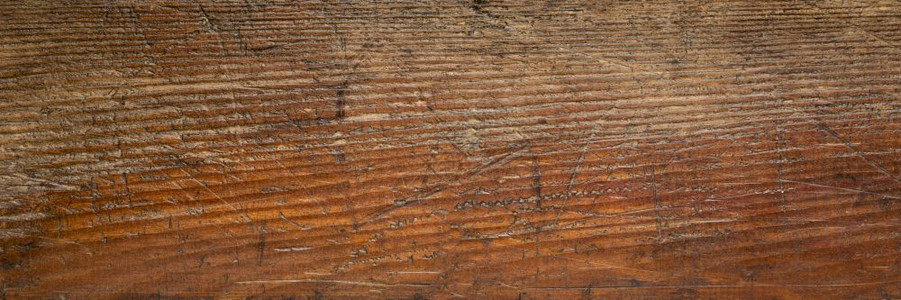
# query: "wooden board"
(453, 149)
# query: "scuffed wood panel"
(453, 149)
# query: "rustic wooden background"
(453, 149)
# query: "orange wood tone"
(455, 149)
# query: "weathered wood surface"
(488, 149)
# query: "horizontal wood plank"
(450, 149)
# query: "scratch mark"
(207, 188)
(569, 186)
(720, 286)
(657, 216)
(295, 224)
(841, 188)
(293, 249)
(858, 27)
(609, 266)
(347, 282)
(262, 244)
(438, 187)
(536, 180)
(780, 145)
(857, 152)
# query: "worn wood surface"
(487, 149)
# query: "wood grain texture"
(452, 149)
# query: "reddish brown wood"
(454, 149)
